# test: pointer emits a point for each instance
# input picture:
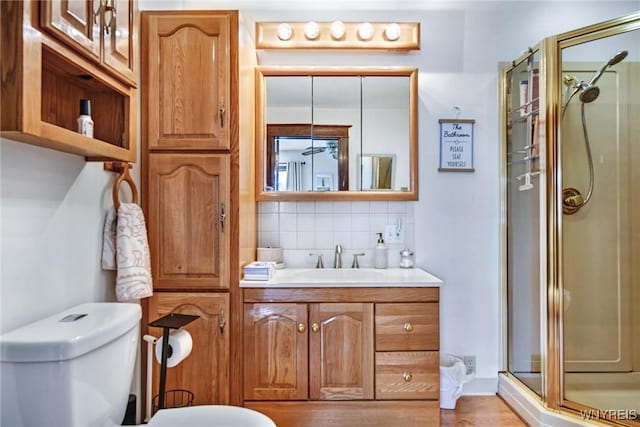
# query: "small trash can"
(453, 374)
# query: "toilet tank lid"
(70, 333)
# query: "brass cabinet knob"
(302, 327)
(408, 327)
(315, 327)
(407, 376)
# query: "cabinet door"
(188, 77)
(275, 348)
(341, 351)
(74, 22)
(187, 217)
(120, 39)
(205, 372)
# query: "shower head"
(618, 57)
(589, 93)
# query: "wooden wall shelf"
(43, 81)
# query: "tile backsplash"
(301, 228)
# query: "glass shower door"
(600, 146)
(523, 223)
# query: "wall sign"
(456, 145)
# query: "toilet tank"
(72, 369)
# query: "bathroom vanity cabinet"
(342, 356)
(308, 351)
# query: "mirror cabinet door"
(349, 135)
(336, 106)
(385, 133)
(288, 106)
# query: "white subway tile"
(268, 238)
(306, 207)
(360, 207)
(342, 238)
(397, 207)
(341, 207)
(324, 222)
(306, 240)
(268, 207)
(288, 207)
(306, 222)
(288, 222)
(360, 222)
(324, 207)
(289, 240)
(360, 240)
(324, 239)
(379, 207)
(377, 222)
(268, 222)
(342, 222)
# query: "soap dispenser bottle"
(380, 253)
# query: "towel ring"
(123, 176)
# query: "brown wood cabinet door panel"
(341, 351)
(407, 326)
(121, 39)
(188, 233)
(188, 74)
(275, 348)
(72, 21)
(205, 372)
(408, 375)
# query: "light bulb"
(337, 30)
(392, 32)
(365, 31)
(312, 30)
(284, 31)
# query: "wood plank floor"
(489, 411)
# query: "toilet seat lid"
(210, 416)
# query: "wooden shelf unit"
(43, 81)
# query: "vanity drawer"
(407, 326)
(408, 375)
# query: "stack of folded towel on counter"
(259, 270)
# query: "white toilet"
(74, 369)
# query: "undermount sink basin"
(346, 277)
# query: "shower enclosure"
(571, 246)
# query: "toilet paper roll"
(180, 345)
(270, 254)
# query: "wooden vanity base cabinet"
(333, 357)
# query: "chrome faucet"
(319, 263)
(337, 258)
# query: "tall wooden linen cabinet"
(190, 156)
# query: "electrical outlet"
(393, 234)
(470, 363)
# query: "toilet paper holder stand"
(168, 322)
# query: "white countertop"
(346, 278)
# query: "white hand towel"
(132, 260)
(109, 241)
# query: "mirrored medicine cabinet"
(337, 133)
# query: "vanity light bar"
(338, 35)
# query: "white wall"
(53, 207)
